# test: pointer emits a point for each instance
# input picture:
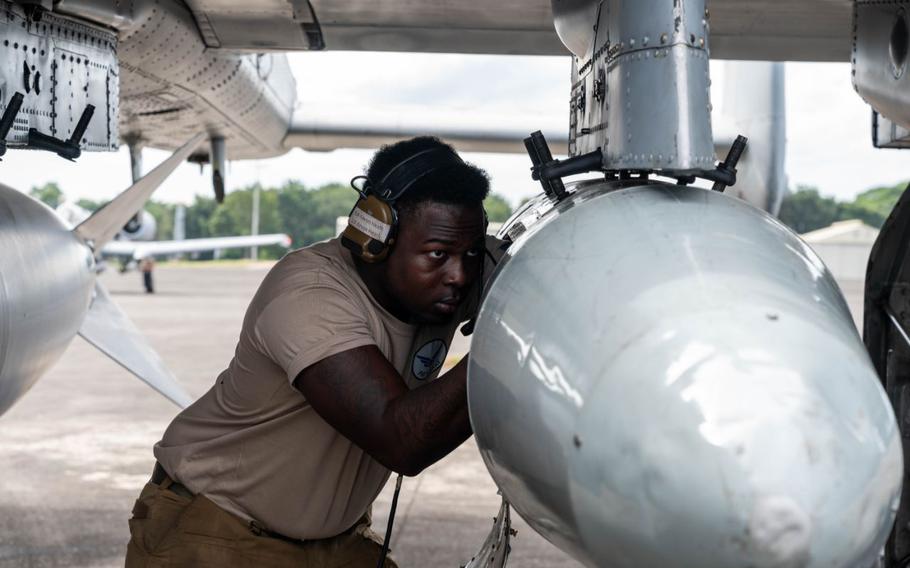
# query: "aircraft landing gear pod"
(664, 375)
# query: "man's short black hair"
(458, 184)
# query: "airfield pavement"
(77, 448)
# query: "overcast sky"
(828, 125)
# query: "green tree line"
(806, 210)
(307, 215)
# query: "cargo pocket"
(205, 518)
(155, 514)
(211, 537)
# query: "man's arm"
(361, 395)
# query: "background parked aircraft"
(131, 247)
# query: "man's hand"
(360, 394)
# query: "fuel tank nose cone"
(697, 380)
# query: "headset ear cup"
(371, 227)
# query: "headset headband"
(407, 173)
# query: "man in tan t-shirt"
(279, 462)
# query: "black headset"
(373, 222)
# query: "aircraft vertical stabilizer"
(107, 328)
(101, 227)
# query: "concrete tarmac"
(77, 448)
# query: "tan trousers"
(175, 531)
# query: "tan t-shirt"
(252, 443)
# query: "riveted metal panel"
(25, 66)
(174, 86)
(79, 80)
(641, 95)
(60, 66)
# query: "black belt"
(159, 476)
(259, 530)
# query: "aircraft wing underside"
(168, 69)
(757, 29)
(807, 30)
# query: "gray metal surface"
(327, 128)
(781, 30)
(754, 105)
(494, 553)
(640, 91)
(173, 86)
(572, 21)
(269, 24)
(46, 278)
(803, 30)
(60, 66)
(887, 134)
(218, 161)
(667, 376)
(880, 52)
(506, 26)
(135, 160)
(107, 328)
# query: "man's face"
(436, 257)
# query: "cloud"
(424, 79)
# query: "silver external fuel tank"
(46, 278)
(666, 376)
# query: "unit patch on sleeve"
(429, 358)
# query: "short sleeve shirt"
(252, 443)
